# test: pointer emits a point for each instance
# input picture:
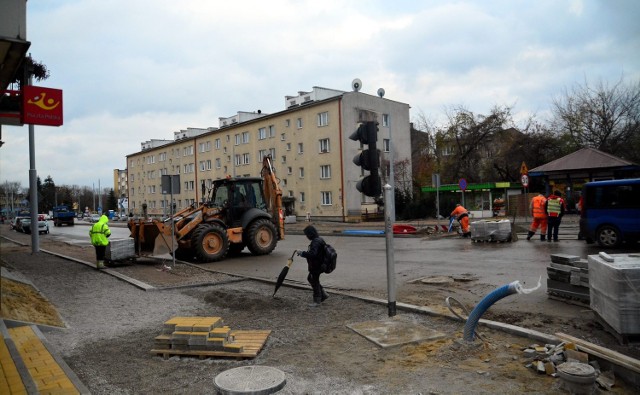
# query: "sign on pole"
(525, 180)
(523, 169)
(42, 106)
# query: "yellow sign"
(523, 168)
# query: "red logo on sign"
(41, 106)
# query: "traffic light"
(368, 159)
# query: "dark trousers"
(553, 224)
(314, 280)
(100, 252)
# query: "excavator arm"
(273, 195)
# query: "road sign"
(525, 180)
(523, 169)
(462, 184)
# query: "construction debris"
(207, 336)
(563, 360)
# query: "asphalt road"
(362, 261)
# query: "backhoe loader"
(234, 213)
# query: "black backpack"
(330, 258)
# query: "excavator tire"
(210, 242)
(261, 237)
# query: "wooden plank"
(604, 353)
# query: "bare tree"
(467, 141)
(605, 117)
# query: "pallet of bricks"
(568, 279)
(207, 337)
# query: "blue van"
(610, 212)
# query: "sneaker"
(313, 304)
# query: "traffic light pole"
(391, 272)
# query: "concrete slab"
(394, 332)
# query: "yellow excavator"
(234, 213)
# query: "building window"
(238, 160)
(245, 138)
(208, 164)
(287, 123)
(272, 131)
(301, 172)
(289, 170)
(323, 119)
(386, 145)
(216, 143)
(202, 166)
(325, 171)
(299, 123)
(290, 193)
(224, 151)
(162, 157)
(284, 159)
(261, 154)
(187, 151)
(238, 139)
(218, 163)
(288, 146)
(284, 182)
(324, 145)
(326, 198)
(385, 120)
(301, 197)
(283, 137)
(245, 159)
(300, 148)
(228, 138)
(262, 133)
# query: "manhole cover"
(255, 380)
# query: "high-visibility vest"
(538, 207)
(554, 207)
(100, 232)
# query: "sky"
(136, 70)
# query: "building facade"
(308, 141)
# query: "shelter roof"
(583, 159)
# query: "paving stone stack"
(197, 334)
(568, 278)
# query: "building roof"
(583, 159)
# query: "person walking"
(555, 208)
(314, 256)
(539, 217)
(462, 215)
(99, 234)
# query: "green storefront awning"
(474, 187)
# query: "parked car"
(43, 226)
(16, 224)
(94, 218)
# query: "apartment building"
(308, 141)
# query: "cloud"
(138, 70)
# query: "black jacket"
(315, 253)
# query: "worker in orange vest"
(462, 215)
(539, 217)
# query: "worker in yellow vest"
(555, 208)
(99, 234)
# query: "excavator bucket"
(164, 244)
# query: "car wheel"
(608, 236)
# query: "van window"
(613, 196)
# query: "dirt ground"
(111, 327)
